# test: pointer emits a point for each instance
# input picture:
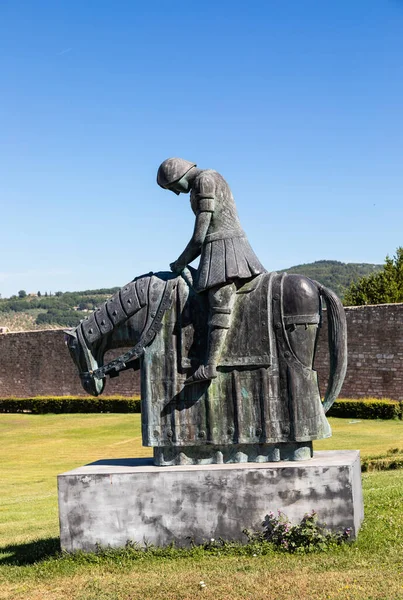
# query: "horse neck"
(145, 294)
(128, 333)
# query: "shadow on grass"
(29, 553)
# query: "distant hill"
(334, 274)
(65, 309)
(62, 309)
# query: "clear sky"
(297, 103)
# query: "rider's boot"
(209, 370)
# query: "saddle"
(248, 339)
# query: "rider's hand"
(176, 267)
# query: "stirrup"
(203, 373)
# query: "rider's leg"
(221, 301)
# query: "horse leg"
(301, 308)
(297, 314)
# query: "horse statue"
(264, 404)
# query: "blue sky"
(298, 103)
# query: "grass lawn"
(36, 448)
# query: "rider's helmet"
(171, 170)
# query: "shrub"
(70, 404)
(366, 408)
(390, 461)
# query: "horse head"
(85, 361)
(129, 319)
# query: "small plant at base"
(307, 536)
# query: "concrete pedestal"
(112, 501)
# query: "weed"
(306, 536)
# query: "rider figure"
(226, 260)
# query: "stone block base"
(112, 501)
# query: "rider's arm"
(203, 206)
(193, 249)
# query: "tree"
(383, 287)
(22, 294)
(39, 294)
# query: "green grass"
(370, 437)
(36, 448)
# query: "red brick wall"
(375, 352)
(38, 363)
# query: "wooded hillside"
(65, 309)
(336, 275)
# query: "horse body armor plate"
(104, 323)
(129, 299)
(115, 310)
(90, 330)
(142, 285)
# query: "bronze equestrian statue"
(244, 338)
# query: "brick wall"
(38, 363)
(375, 352)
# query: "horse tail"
(337, 339)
